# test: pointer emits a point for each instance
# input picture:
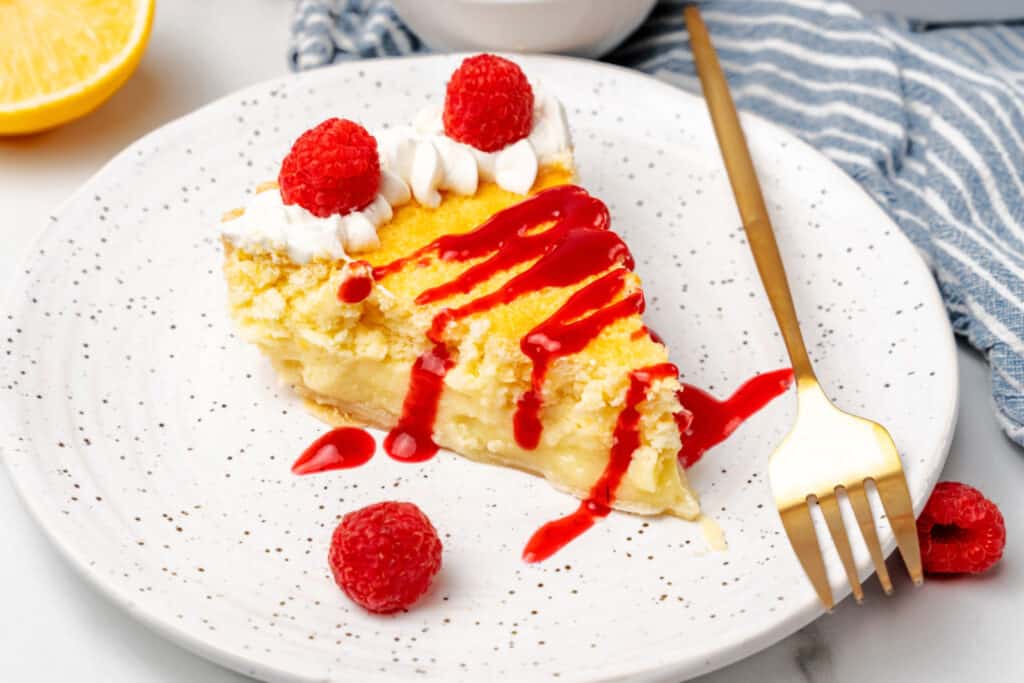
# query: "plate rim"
(688, 667)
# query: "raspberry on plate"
(488, 104)
(960, 531)
(385, 555)
(331, 169)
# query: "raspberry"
(385, 555)
(489, 103)
(332, 168)
(961, 531)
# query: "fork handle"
(747, 191)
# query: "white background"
(53, 627)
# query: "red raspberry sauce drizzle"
(706, 423)
(555, 535)
(356, 283)
(577, 245)
(567, 205)
(338, 449)
(564, 334)
(711, 421)
(412, 439)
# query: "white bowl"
(584, 28)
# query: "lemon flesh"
(60, 59)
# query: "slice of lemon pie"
(448, 282)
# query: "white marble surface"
(55, 627)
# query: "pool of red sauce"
(576, 246)
(338, 449)
(711, 421)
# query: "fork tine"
(895, 496)
(796, 520)
(830, 508)
(866, 521)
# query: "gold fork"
(828, 451)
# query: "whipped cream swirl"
(417, 161)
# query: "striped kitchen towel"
(930, 122)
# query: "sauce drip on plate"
(711, 421)
(338, 449)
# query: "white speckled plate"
(153, 446)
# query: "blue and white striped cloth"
(930, 122)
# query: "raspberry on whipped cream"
(488, 103)
(331, 169)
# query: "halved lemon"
(60, 59)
